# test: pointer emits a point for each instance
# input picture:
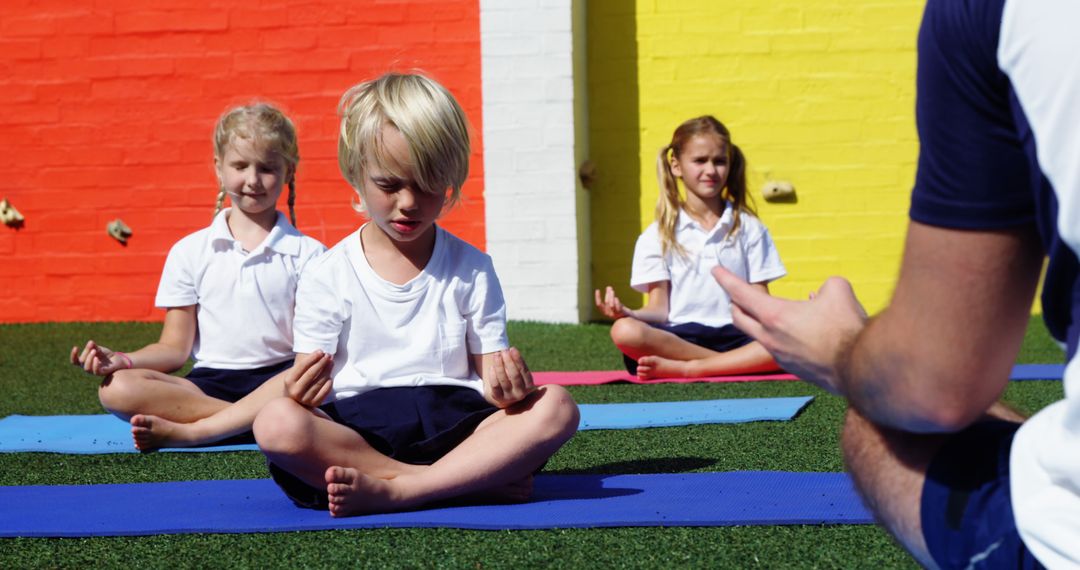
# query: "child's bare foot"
(650, 367)
(152, 432)
(351, 492)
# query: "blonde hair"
(428, 117)
(265, 125)
(670, 202)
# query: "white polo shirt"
(417, 334)
(244, 300)
(695, 295)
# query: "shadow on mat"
(659, 465)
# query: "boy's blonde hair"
(670, 201)
(425, 113)
(263, 125)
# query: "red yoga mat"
(595, 377)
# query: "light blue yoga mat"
(558, 501)
(104, 433)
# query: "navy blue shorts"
(231, 385)
(967, 515)
(719, 339)
(415, 425)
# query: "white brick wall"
(531, 151)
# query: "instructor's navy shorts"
(413, 424)
(720, 339)
(967, 515)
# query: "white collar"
(685, 222)
(283, 237)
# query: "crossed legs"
(498, 458)
(139, 391)
(662, 354)
(889, 469)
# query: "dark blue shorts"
(720, 339)
(967, 515)
(415, 425)
(231, 385)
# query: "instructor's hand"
(810, 339)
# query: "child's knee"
(557, 412)
(282, 426)
(120, 392)
(628, 332)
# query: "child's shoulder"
(650, 233)
(307, 245)
(751, 221)
(194, 242)
(459, 252)
(340, 251)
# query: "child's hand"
(98, 360)
(308, 381)
(610, 305)
(507, 379)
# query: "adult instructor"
(958, 479)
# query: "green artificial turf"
(35, 379)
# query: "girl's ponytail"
(668, 204)
(292, 200)
(220, 201)
(735, 191)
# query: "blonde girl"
(685, 328)
(228, 290)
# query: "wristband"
(125, 357)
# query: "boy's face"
(403, 211)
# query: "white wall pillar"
(534, 133)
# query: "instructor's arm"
(939, 356)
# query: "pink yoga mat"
(594, 377)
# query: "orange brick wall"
(106, 111)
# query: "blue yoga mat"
(1038, 372)
(106, 434)
(559, 501)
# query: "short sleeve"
(649, 265)
(972, 170)
(319, 316)
(311, 250)
(762, 257)
(177, 286)
(485, 314)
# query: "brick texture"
(106, 111)
(820, 94)
(534, 202)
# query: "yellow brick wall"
(819, 93)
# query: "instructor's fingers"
(747, 323)
(749, 298)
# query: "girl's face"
(251, 176)
(398, 207)
(703, 166)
